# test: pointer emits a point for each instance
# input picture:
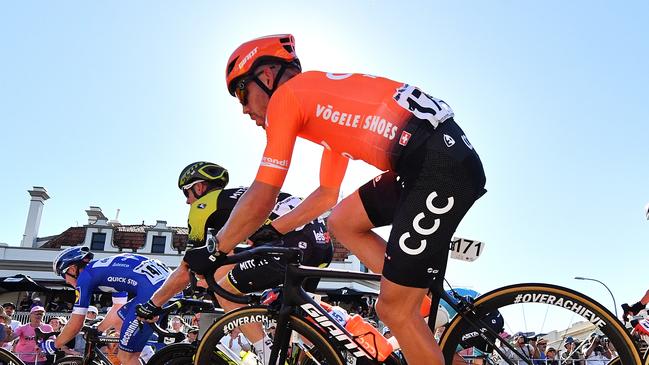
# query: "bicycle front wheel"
(7, 358)
(554, 311)
(175, 354)
(306, 345)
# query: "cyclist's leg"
(441, 181)
(133, 334)
(352, 220)
(247, 277)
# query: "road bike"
(302, 332)
(166, 355)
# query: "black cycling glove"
(634, 309)
(266, 233)
(204, 260)
(147, 310)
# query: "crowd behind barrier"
(569, 351)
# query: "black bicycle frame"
(295, 296)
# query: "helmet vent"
(285, 40)
(231, 65)
(288, 48)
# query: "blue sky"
(103, 103)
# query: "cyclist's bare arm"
(111, 320)
(314, 205)
(70, 330)
(248, 215)
(175, 283)
(332, 172)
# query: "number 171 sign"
(465, 249)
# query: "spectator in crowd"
(192, 336)
(572, 355)
(7, 334)
(55, 322)
(9, 309)
(26, 347)
(92, 313)
(524, 351)
(539, 347)
(26, 303)
(36, 302)
(236, 341)
(177, 324)
(56, 305)
(598, 350)
(5, 328)
(551, 356)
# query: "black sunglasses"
(241, 91)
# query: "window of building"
(158, 244)
(98, 241)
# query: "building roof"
(133, 237)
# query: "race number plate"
(465, 249)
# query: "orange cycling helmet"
(259, 51)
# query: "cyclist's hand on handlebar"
(147, 311)
(265, 233)
(48, 347)
(631, 310)
(206, 259)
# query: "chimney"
(96, 217)
(39, 196)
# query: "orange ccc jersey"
(353, 116)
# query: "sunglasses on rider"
(241, 91)
(187, 187)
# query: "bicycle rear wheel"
(552, 310)
(7, 358)
(307, 345)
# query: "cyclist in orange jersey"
(388, 124)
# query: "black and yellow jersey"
(213, 209)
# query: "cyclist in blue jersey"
(124, 275)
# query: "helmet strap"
(268, 91)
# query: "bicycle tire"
(69, 360)
(570, 301)
(174, 354)
(321, 349)
(7, 358)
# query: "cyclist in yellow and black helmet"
(203, 184)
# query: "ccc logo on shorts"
(416, 225)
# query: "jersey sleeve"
(332, 169)
(120, 297)
(283, 122)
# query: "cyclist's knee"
(335, 224)
(391, 311)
